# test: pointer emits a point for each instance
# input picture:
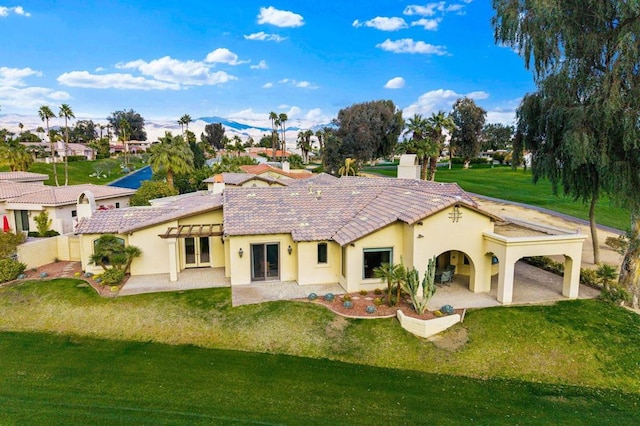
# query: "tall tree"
(172, 156)
(16, 156)
(212, 135)
(585, 60)
(184, 123)
(419, 144)
(135, 121)
(369, 130)
(304, 143)
(46, 114)
(282, 119)
(497, 136)
(66, 113)
(438, 123)
(274, 133)
(469, 119)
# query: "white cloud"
(407, 45)
(438, 100)
(432, 9)
(427, 24)
(18, 10)
(300, 84)
(279, 18)
(382, 23)
(113, 81)
(506, 117)
(262, 36)
(188, 73)
(267, 85)
(223, 56)
(316, 115)
(99, 69)
(15, 76)
(262, 65)
(293, 112)
(395, 83)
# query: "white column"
(173, 260)
(571, 280)
(505, 281)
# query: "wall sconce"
(240, 252)
(455, 214)
(420, 223)
(352, 245)
(289, 250)
(420, 236)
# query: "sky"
(242, 59)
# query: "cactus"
(412, 286)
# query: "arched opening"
(455, 267)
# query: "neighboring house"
(23, 177)
(218, 182)
(327, 230)
(275, 172)
(21, 202)
(74, 149)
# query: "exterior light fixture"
(289, 249)
(420, 236)
(240, 252)
(455, 214)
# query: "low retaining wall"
(427, 328)
(43, 251)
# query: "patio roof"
(186, 231)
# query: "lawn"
(582, 343)
(56, 379)
(506, 184)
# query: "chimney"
(86, 204)
(285, 166)
(218, 184)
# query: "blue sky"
(242, 59)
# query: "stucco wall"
(86, 250)
(38, 252)
(155, 250)
(312, 272)
(215, 242)
(240, 267)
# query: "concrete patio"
(531, 286)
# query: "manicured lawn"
(54, 379)
(506, 184)
(582, 343)
(79, 172)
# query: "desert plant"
(391, 274)
(619, 244)
(43, 223)
(329, 297)
(112, 276)
(347, 304)
(370, 309)
(447, 309)
(346, 298)
(363, 292)
(378, 301)
(377, 291)
(109, 252)
(312, 296)
(10, 269)
(412, 285)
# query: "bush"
(112, 276)
(377, 291)
(51, 233)
(589, 277)
(363, 292)
(10, 269)
(346, 297)
(614, 293)
(378, 301)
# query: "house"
(218, 182)
(284, 173)
(327, 230)
(23, 177)
(21, 202)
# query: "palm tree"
(274, 133)
(320, 135)
(15, 156)
(67, 114)
(282, 118)
(172, 155)
(349, 168)
(184, 123)
(125, 136)
(439, 122)
(420, 145)
(391, 274)
(45, 114)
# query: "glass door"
(265, 262)
(197, 252)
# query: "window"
(322, 253)
(74, 213)
(373, 258)
(117, 205)
(22, 220)
(343, 261)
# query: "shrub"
(329, 297)
(346, 298)
(378, 301)
(377, 291)
(43, 275)
(112, 276)
(614, 293)
(312, 296)
(589, 277)
(51, 233)
(437, 313)
(10, 269)
(370, 309)
(348, 304)
(447, 309)
(9, 242)
(363, 292)
(619, 244)
(43, 223)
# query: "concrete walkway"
(278, 290)
(189, 279)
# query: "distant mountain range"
(157, 128)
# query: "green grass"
(506, 184)
(582, 343)
(53, 379)
(79, 172)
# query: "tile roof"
(259, 169)
(23, 176)
(344, 211)
(241, 178)
(61, 195)
(122, 221)
(9, 189)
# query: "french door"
(265, 262)
(197, 252)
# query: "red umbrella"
(5, 224)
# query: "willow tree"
(585, 58)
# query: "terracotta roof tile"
(23, 176)
(62, 195)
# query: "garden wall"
(427, 328)
(43, 251)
